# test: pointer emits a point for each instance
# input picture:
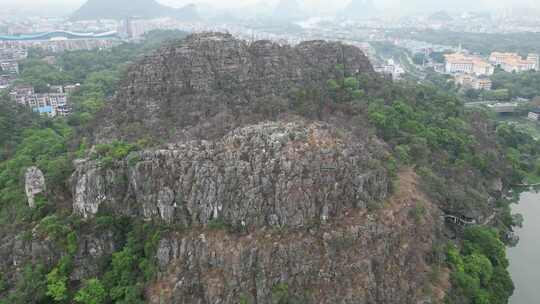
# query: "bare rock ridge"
(276, 174)
(209, 84)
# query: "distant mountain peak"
(289, 10)
(358, 9)
(119, 9)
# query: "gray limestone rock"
(276, 174)
(34, 184)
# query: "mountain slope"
(104, 9)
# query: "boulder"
(34, 184)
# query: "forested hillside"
(67, 251)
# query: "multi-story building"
(390, 69)
(534, 58)
(513, 62)
(23, 90)
(71, 88)
(482, 84)
(468, 64)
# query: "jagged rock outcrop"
(34, 184)
(277, 174)
(209, 84)
(267, 204)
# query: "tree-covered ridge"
(457, 152)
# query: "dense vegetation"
(457, 152)
(429, 128)
(28, 139)
(479, 269)
(524, 85)
(482, 43)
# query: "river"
(525, 257)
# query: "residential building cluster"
(390, 69)
(473, 71)
(54, 103)
(460, 62)
(9, 65)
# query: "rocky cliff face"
(359, 257)
(209, 84)
(276, 174)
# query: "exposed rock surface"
(362, 257)
(34, 184)
(209, 84)
(273, 174)
(22, 250)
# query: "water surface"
(525, 257)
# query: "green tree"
(57, 285)
(93, 292)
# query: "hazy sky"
(320, 5)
